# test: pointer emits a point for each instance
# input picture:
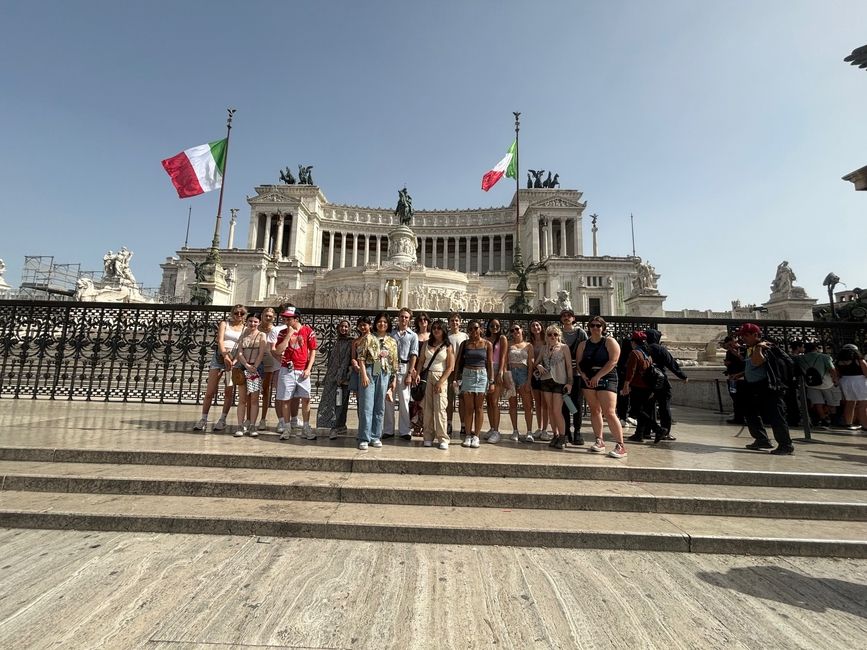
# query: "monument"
(788, 302)
(304, 249)
(645, 299)
(117, 284)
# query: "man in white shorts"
(296, 346)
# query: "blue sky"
(724, 128)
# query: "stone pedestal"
(212, 288)
(401, 246)
(792, 308)
(645, 304)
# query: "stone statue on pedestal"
(645, 279)
(784, 279)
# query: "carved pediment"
(290, 194)
(556, 202)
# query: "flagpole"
(632, 226)
(187, 237)
(214, 253)
(520, 305)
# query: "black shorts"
(551, 386)
(608, 382)
(535, 383)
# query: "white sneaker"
(240, 432)
(494, 438)
(624, 423)
(362, 446)
(376, 444)
(295, 423)
(427, 443)
(281, 427)
(488, 434)
(254, 432)
(545, 436)
(631, 422)
(443, 445)
(309, 433)
(262, 426)
(474, 442)
(515, 437)
(220, 424)
(467, 441)
(529, 438)
(201, 424)
(332, 434)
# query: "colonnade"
(467, 253)
(272, 233)
(553, 239)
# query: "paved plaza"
(128, 588)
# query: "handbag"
(417, 391)
(239, 377)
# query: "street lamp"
(831, 280)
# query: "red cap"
(750, 328)
(289, 312)
(639, 336)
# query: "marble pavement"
(87, 589)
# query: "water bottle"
(570, 404)
(338, 399)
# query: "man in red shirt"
(296, 347)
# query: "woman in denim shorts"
(474, 367)
(520, 361)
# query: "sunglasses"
(474, 327)
(516, 329)
(551, 336)
(595, 325)
(239, 313)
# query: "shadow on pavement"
(792, 588)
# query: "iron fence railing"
(161, 353)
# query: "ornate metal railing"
(161, 353)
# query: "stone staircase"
(423, 496)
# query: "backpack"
(781, 369)
(812, 377)
(652, 374)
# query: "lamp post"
(831, 281)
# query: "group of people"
(410, 380)
(835, 388)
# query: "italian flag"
(198, 170)
(505, 167)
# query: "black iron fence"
(161, 353)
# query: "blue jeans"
(371, 406)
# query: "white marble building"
(303, 248)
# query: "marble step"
(428, 490)
(433, 524)
(431, 462)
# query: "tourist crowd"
(410, 380)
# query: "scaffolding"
(43, 279)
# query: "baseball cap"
(289, 312)
(750, 328)
(639, 336)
